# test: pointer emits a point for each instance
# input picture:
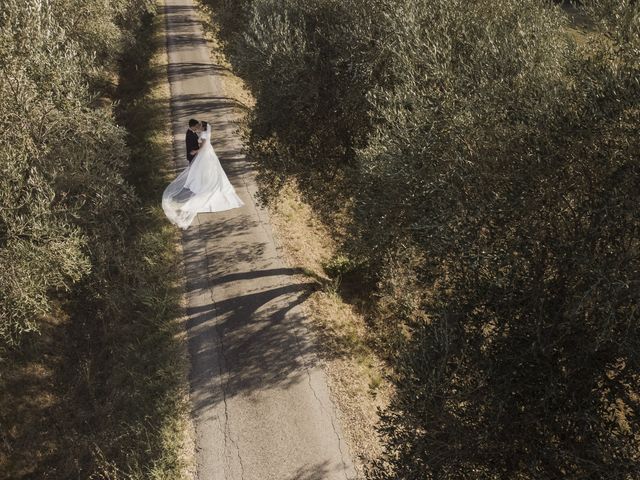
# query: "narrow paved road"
(261, 405)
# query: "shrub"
(508, 157)
(491, 162)
(310, 66)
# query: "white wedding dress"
(201, 187)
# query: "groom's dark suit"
(192, 143)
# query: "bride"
(201, 187)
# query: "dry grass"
(581, 28)
(357, 377)
(29, 397)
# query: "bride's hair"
(203, 124)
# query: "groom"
(192, 139)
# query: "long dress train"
(201, 187)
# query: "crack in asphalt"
(298, 342)
(333, 425)
(227, 423)
(330, 412)
(222, 362)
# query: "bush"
(516, 175)
(491, 162)
(90, 367)
(61, 185)
(315, 59)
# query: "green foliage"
(62, 161)
(523, 194)
(86, 258)
(492, 165)
(339, 265)
(315, 59)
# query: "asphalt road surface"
(261, 405)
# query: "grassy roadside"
(101, 392)
(357, 375)
(145, 111)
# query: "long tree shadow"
(246, 333)
(318, 471)
(247, 343)
(189, 104)
(220, 111)
(193, 69)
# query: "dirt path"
(261, 405)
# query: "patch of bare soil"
(30, 400)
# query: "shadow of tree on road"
(247, 331)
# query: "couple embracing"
(201, 187)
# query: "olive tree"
(508, 160)
(490, 164)
(62, 159)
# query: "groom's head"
(193, 123)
